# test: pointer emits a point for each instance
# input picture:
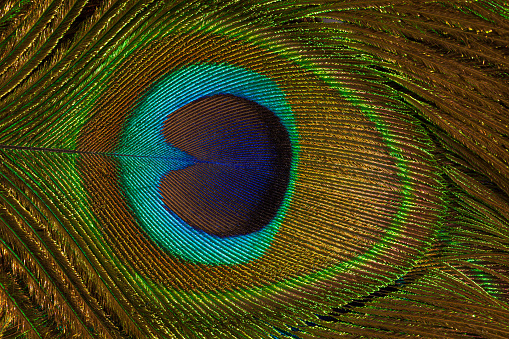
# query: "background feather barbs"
(381, 170)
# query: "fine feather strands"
(254, 169)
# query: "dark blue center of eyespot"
(241, 169)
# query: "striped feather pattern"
(254, 169)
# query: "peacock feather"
(254, 169)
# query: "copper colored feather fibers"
(254, 169)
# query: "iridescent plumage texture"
(254, 169)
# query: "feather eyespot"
(267, 169)
(167, 154)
